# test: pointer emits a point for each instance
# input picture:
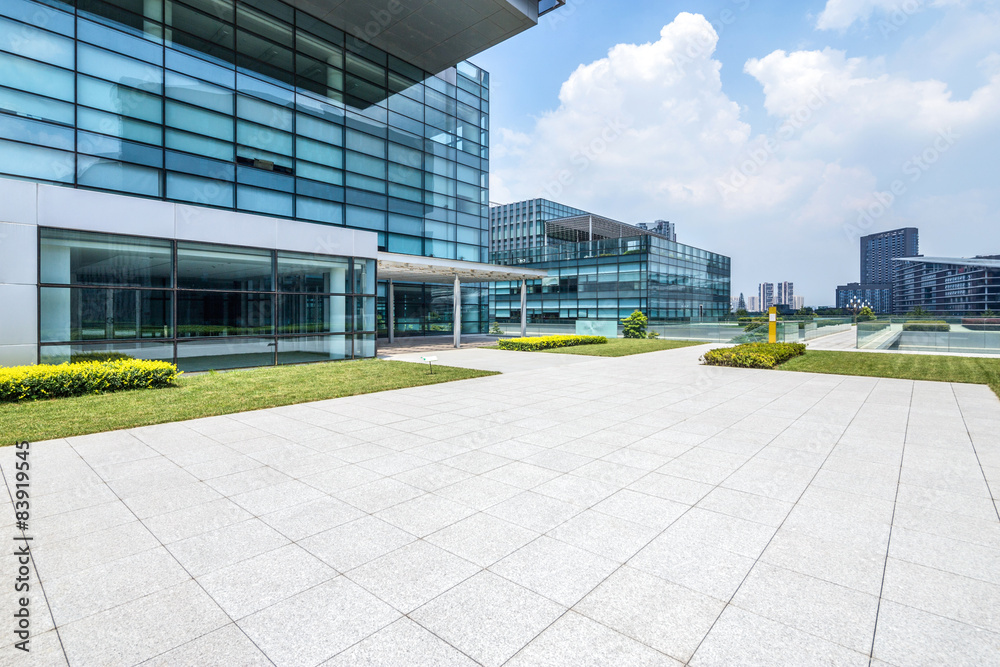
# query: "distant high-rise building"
(664, 227)
(878, 251)
(765, 295)
(786, 293)
(798, 302)
(753, 304)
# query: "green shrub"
(866, 314)
(754, 355)
(495, 329)
(930, 325)
(22, 383)
(98, 356)
(653, 334)
(635, 325)
(548, 342)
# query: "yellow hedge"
(547, 342)
(22, 383)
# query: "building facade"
(521, 224)
(878, 296)
(786, 294)
(248, 124)
(600, 268)
(879, 250)
(948, 286)
(765, 296)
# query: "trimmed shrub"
(22, 383)
(930, 325)
(634, 326)
(754, 355)
(548, 342)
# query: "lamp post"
(855, 306)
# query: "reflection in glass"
(83, 258)
(312, 273)
(305, 349)
(312, 313)
(59, 354)
(69, 314)
(223, 314)
(203, 266)
(222, 353)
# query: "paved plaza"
(574, 511)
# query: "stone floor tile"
(259, 582)
(953, 596)
(140, 632)
(227, 645)
(576, 640)
(836, 613)
(908, 636)
(660, 614)
(412, 575)
(317, 624)
(488, 618)
(425, 514)
(591, 530)
(557, 570)
(482, 538)
(301, 521)
(195, 520)
(225, 546)
(743, 638)
(356, 543)
(534, 511)
(402, 643)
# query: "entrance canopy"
(416, 269)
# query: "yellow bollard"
(772, 325)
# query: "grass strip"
(210, 394)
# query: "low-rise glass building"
(603, 269)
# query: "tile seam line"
(888, 542)
(794, 505)
(41, 585)
(172, 556)
(975, 451)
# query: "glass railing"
(958, 335)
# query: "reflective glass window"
(204, 266)
(223, 314)
(98, 313)
(313, 273)
(84, 258)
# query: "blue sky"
(772, 132)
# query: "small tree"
(866, 314)
(635, 325)
(919, 311)
(988, 313)
(742, 312)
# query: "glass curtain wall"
(611, 278)
(202, 306)
(246, 105)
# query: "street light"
(856, 305)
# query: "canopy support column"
(458, 312)
(390, 311)
(524, 309)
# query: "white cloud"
(648, 132)
(841, 14)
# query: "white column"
(339, 314)
(457, 318)
(390, 311)
(524, 310)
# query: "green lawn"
(975, 370)
(620, 347)
(209, 394)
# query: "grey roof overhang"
(431, 34)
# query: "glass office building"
(947, 285)
(522, 224)
(254, 108)
(604, 269)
